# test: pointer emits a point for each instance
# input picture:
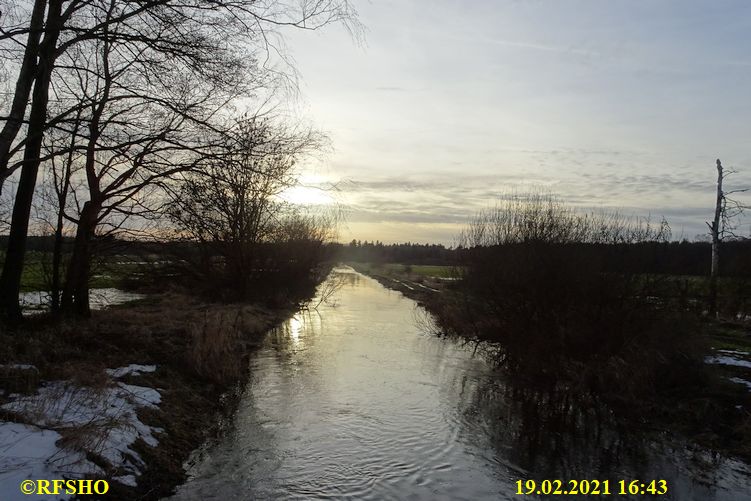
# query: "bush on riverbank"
(538, 280)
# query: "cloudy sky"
(449, 104)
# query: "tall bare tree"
(26, 75)
(727, 209)
(231, 205)
(215, 45)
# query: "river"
(355, 400)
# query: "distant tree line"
(407, 253)
(666, 257)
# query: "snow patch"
(18, 367)
(726, 360)
(132, 369)
(142, 395)
(28, 452)
(733, 352)
(107, 419)
(741, 381)
(129, 480)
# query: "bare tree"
(540, 217)
(10, 279)
(727, 209)
(218, 45)
(26, 75)
(51, 203)
(231, 205)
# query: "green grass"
(404, 270)
(433, 271)
(38, 266)
(729, 337)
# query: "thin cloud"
(392, 89)
(540, 47)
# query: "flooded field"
(38, 301)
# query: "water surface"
(355, 400)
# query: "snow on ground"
(100, 421)
(733, 352)
(132, 369)
(726, 360)
(31, 452)
(142, 395)
(741, 381)
(21, 367)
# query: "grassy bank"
(418, 282)
(409, 271)
(200, 350)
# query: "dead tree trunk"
(715, 232)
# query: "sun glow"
(305, 195)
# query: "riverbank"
(127, 395)
(714, 410)
(354, 400)
(421, 283)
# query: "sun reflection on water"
(296, 325)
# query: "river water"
(355, 400)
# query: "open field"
(105, 273)
(411, 271)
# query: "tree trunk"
(26, 75)
(57, 257)
(62, 197)
(715, 230)
(10, 280)
(75, 300)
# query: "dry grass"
(68, 408)
(18, 379)
(201, 350)
(214, 352)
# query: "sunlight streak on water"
(295, 328)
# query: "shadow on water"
(544, 435)
(353, 400)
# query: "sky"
(447, 105)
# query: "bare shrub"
(425, 322)
(541, 217)
(560, 292)
(245, 240)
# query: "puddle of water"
(38, 301)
